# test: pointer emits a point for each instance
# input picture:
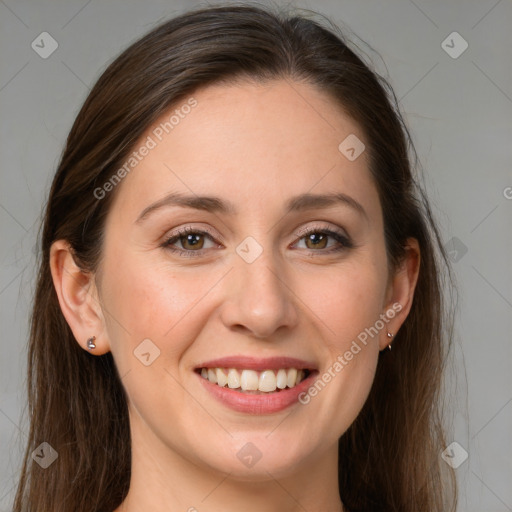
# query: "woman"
(233, 243)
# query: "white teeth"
(282, 379)
(222, 378)
(292, 377)
(249, 380)
(233, 379)
(266, 381)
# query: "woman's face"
(257, 280)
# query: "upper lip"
(258, 364)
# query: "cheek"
(348, 299)
(350, 307)
(146, 299)
(152, 302)
(349, 303)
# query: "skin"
(255, 145)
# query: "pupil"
(192, 239)
(317, 240)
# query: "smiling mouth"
(255, 382)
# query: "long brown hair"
(389, 457)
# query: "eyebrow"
(212, 204)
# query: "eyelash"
(343, 240)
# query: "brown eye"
(325, 241)
(192, 241)
(316, 240)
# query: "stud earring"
(90, 343)
(390, 336)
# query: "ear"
(78, 298)
(400, 292)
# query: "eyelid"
(298, 233)
(336, 232)
(320, 227)
(176, 233)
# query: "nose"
(259, 300)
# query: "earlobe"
(401, 291)
(78, 299)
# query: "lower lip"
(258, 404)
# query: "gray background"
(459, 111)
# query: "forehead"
(254, 143)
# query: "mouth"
(256, 386)
(255, 382)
